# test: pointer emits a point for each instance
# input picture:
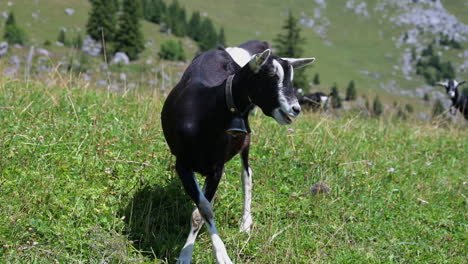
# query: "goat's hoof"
(183, 261)
(223, 258)
(185, 256)
(246, 224)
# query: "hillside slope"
(351, 39)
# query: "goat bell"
(237, 127)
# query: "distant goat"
(220, 86)
(459, 100)
(313, 101)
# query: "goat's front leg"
(192, 188)
(219, 250)
(453, 110)
(247, 189)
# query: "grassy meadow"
(86, 177)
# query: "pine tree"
(160, 10)
(13, 34)
(129, 38)
(176, 19)
(222, 37)
(429, 51)
(153, 10)
(78, 41)
(194, 27)
(447, 71)
(351, 92)
(377, 107)
(62, 37)
(289, 44)
(316, 80)
(146, 7)
(102, 20)
(335, 97)
(209, 37)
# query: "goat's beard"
(281, 117)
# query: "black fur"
(459, 101)
(195, 115)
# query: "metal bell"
(237, 127)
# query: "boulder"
(3, 49)
(120, 58)
(91, 47)
(69, 11)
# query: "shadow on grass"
(158, 220)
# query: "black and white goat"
(217, 87)
(314, 101)
(459, 100)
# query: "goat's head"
(451, 87)
(272, 88)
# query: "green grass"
(86, 177)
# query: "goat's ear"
(443, 84)
(258, 60)
(299, 63)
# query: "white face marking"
(452, 94)
(323, 99)
(279, 72)
(286, 107)
(292, 73)
(239, 55)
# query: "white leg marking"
(196, 224)
(219, 250)
(247, 188)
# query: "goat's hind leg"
(192, 188)
(196, 223)
(247, 189)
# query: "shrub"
(426, 97)
(13, 34)
(409, 108)
(316, 80)
(335, 97)
(172, 50)
(351, 92)
(438, 109)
